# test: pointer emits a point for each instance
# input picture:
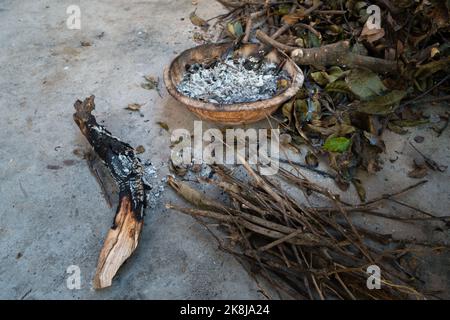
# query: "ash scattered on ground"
(233, 80)
(156, 182)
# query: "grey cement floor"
(58, 218)
(53, 218)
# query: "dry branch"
(286, 26)
(332, 54)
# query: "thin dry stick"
(286, 26)
(248, 26)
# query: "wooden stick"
(310, 28)
(249, 24)
(119, 245)
(286, 26)
(263, 37)
(127, 170)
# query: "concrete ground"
(52, 212)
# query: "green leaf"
(235, 28)
(382, 105)
(320, 77)
(364, 84)
(282, 10)
(337, 144)
(238, 31)
(323, 78)
(338, 86)
(313, 40)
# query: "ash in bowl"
(233, 80)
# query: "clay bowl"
(234, 114)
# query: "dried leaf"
(382, 105)
(197, 21)
(163, 125)
(151, 82)
(177, 170)
(311, 160)
(139, 149)
(371, 35)
(359, 189)
(428, 69)
(307, 110)
(287, 109)
(418, 172)
(394, 128)
(134, 107)
(409, 123)
(374, 140)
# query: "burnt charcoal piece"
(128, 172)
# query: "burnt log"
(127, 170)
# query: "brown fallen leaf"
(311, 160)
(139, 149)
(163, 125)
(420, 169)
(85, 43)
(177, 170)
(371, 35)
(197, 21)
(151, 83)
(359, 189)
(134, 107)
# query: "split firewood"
(127, 170)
(332, 54)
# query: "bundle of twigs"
(304, 252)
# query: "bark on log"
(331, 54)
(127, 170)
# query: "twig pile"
(304, 252)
